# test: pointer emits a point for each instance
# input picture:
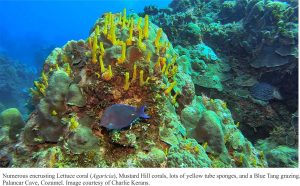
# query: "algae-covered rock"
(58, 89)
(208, 81)
(209, 129)
(82, 140)
(50, 126)
(155, 158)
(188, 154)
(124, 138)
(282, 156)
(53, 57)
(51, 108)
(191, 115)
(5, 159)
(278, 155)
(12, 120)
(75, 96)
(207, 54)
(203, 65)
(172, 130)
(237, 141)
(167, 135)
(187, 87)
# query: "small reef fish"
(120, 116)
(131, 11)
(265, 92)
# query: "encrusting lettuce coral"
(126, 60)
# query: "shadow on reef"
(126, 60)
(252, 65)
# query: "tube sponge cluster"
(125, 60)
(140, 51)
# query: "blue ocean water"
(30, 29)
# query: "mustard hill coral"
(126, 60)
(11, 122)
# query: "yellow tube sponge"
(124, 19)
(73, 124)
(126, 85)
(112, 34)
(175, 97)
(134, 73)
(139, 23)
(40, 87)
(107, 75)
(147, 80)
(123, 51)
(45, 79)
(163, 69)
(168, 44)
(141, 45)
(37, 84)
(97, 31)
(105, 24)
(120, 18)
(94, 58)
(102, 50)
(169, 65)
(68, 69)
(56, 66)
(157, 48)
(146, 26)
(123, 55)
(90, 43)
(158, 36)
(170, 88)
(163, 61)
(157, 64)
(34, 92)
(173, 71)
(43, 91)
(148, 58)
(98, 75)
(141, 78)
(102, 67)
(94, 50)
(129, 40)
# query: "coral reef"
(127, 60)
(15, 80)
(253, 43)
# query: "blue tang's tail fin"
(141, 112)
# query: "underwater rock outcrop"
(278, 156)
(127, 60)
(256, 43)
(203, 65)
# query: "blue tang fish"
(120, 116)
